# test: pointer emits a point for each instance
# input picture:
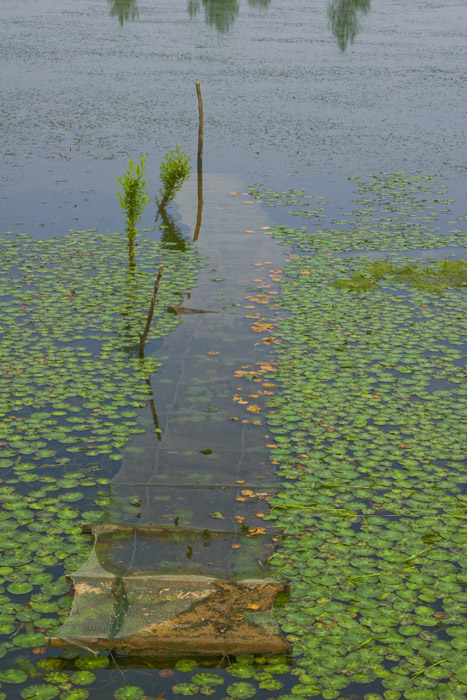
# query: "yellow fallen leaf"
(236, 546)
(264, 228)
(257, 531)
(213, 352)
(260, 515)
(252, 606)
(249, 231)
(253, 408)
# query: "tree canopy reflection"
(221, 14)
(172, 236)
(124, 9)
(344, 18)
(260, 4)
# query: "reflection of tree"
(344, 18)
(220, 14)
(123, 9)
(172, 236)
(260, 4)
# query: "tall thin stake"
(144, 335)
(200, 161)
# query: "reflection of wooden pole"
(200, 161)
(152, 405)
(142, 338)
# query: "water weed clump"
(133, 199)
(175, 169)
(434, 277)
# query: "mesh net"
(162, 578)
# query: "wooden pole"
(142, 337)
(199, 214)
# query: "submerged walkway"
(180, 558)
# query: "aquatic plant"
(133, 199)
(68, 403)
(364, 429)
(175, 169)
(433, 277)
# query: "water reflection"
(172, 236)
(220, 14)
(259, 4)
(124, 9)
(344, 18)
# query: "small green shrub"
(133, 198)
(174, 171)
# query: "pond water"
(294, 89)
(296, 95)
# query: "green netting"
(177, 567)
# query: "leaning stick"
(142, 337)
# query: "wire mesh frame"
(138, 610)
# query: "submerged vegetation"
(431, 278)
